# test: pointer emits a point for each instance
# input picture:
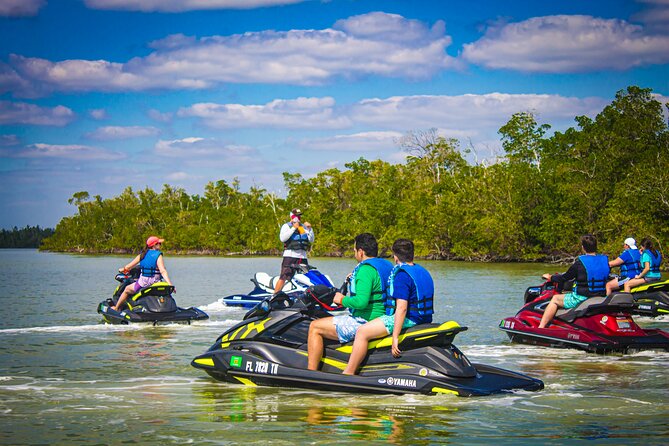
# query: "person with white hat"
(297, 238)
(629, 263)
(150, 261)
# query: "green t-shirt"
(367, 281)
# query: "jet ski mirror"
(322, 295)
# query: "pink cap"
(153, 240)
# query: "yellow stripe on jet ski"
(209, 362)
(378, 367)
(333, 362)
(388, 340)
(246, 382)
(442, 390)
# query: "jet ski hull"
(651, 299)
(269, 348)
(125, 317)
(244, 367)
(598, 325)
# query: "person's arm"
(646, 269)
(286, 231)
(364, 285)
(309, 230)
(400, 314)
(616, 262)
(130, 265)
(163, 271)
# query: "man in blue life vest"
(297, 238)
(409, 302)
(629, 262)
(368, 283)
(590, 273)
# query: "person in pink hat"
(152, 269)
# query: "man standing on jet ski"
(297, 239)
(409, 302)
(590, 271)
(368, 283)
(629, 263)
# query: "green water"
(67, 378)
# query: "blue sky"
(98, 95)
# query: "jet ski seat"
(597, 305)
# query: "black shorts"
(287, 272)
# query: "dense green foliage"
(28, 237)
(608, 176)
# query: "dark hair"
(142, 254)
(589, 243)
(403, 249)
(367, 242)
(647, 244)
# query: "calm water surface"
(67, 378)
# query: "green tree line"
(608, 176)
(28, 237)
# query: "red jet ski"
(599, 324)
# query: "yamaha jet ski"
(598, 324)
(305, 276)
(153, 304)
(651, 299)
(269, 348)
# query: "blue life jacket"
(298, 241)
(383, 269)
(597, 269)
(655, 261)
(424, 303)
(632, 265)
(149, 264)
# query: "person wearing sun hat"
(152, 269)
(297, 238)
(629, 262)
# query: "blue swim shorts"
(389, 322)
(346, 326)
(572, 300)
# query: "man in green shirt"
(368, 283)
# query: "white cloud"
(31, 114)
(20, 8)
(204, 148)
(158, 116)
(70, 152)
(357, 142)
(98, 114)
(376, 44)
(280, 113)
(109, 133)
(456, 116)
(9, 140)
(183, 5)
(655, 16)
(566, 44)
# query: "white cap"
(629, 241)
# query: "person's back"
(592, 275)
(416, 283)
(631, 263)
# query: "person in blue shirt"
(590, 273)
(629, 263)
(152, 267)
(409, 302)
(651, 259)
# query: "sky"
(99, 95)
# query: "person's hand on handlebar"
(337, 298)
(547, 276)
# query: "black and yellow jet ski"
(269, 348)
(153, 304)
(651, 299)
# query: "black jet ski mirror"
(277, 302)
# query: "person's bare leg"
(371, 330)
(130, 289)
(549, 313)
(279, 285)
(611, 286)
(319, 329)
